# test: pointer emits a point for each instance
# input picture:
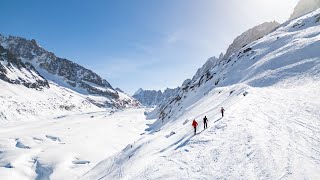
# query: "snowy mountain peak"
(305, 6)
(64, 72)
(249, 36)
(140, 90)
(221, 56)
(207, 65)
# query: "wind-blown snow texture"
(65, 146)
(271, 128)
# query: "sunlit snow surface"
(65, 147)
(271, 128)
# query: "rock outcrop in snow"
(63, 72)
(249, 36)
(152, 97)
(211, 62)
(14, 71)
(305, 6)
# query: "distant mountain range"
(151, 98)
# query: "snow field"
(65, 147)
(271, 133)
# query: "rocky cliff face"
(14, 71)
(249, 36)
(61, 71)
(211, 62)
(153, 97)
(305, 6)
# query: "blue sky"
(151, 44)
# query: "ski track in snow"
(272, 133)
(256, 143)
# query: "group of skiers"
(205, 122)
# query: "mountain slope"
(12, 70)
(265, 135)
(270, 90)
(290, 51)
(20, 103)
(305, 6)
(66, 146)
(64, 72)
(250, 36)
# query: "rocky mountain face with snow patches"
(34, 63)
(305, 6)
(250, 36)
(213, 61)
(14, 71)
(151, 98)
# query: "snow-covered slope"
(264, 135)
(13, 71)
(271, 130)
(19, 103)
(66, 146)
(290, 51)
(305, 6)
(62, 72)
(151, 98)
(250, 36)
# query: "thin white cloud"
(173, 38)
(144, 48)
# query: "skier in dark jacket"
(205, 122)
(222, 111)
(195, 124)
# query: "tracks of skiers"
(234, 97)
(254, 137)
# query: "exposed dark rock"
(153, 97)
(9, 64)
